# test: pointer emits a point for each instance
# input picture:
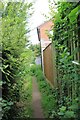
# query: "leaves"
(15, 56)
(65, 40)
(69, 114)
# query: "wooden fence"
(49, 63)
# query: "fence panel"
(49, 67)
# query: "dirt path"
(36, 101)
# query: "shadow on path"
(36, 101)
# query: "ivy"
(66, 41)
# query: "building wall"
(45, 27)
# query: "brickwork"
(45, 27)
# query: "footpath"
(36, 100)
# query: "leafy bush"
(24, 106)
(14, 19)
(65, 37)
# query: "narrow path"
(36, 101)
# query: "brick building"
(46, 50)
(44, 29)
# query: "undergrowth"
(24, 106)
(50, 99)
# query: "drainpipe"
(38, 33)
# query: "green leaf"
(63, 108)
(74, 13)
(69, 114)
(61, 113)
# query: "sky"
(40, 7)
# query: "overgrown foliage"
(24, 106)
(15, 58)
(67, 43)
